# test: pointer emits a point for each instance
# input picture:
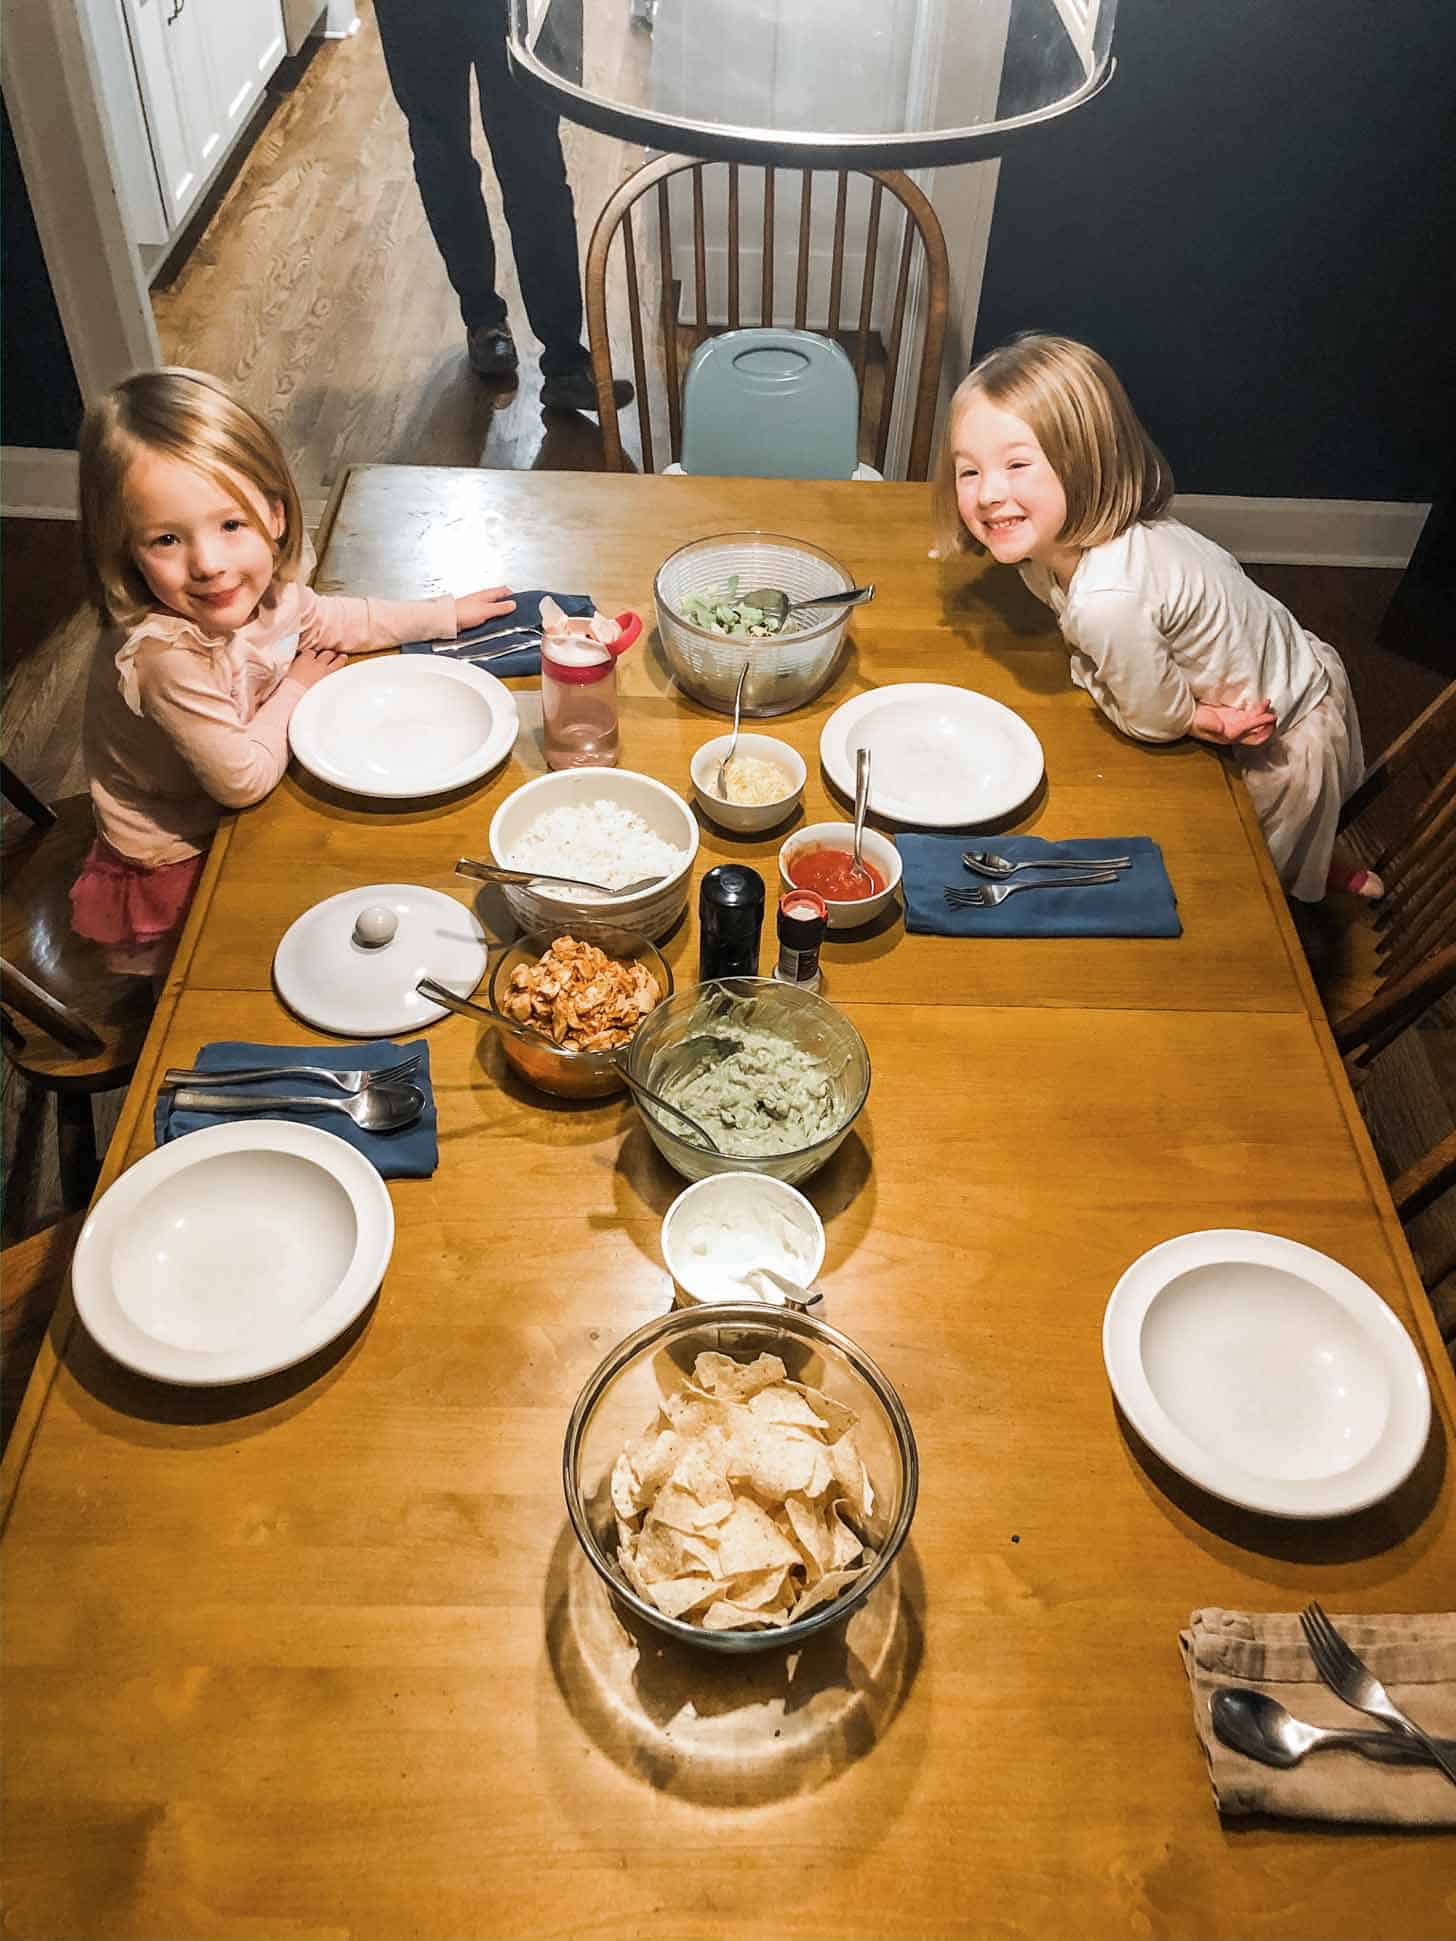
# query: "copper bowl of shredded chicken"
(569, 1004)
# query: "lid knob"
(375, 926)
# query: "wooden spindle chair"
(1403, 818)
(664, 329)
(71, 1026)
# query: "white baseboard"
(36, 483)
(1308, 532)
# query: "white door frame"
(53, 97)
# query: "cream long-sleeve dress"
(1161, 619)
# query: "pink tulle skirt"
(134, 913)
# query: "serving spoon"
(497, 873)
(794, 1295)
(382, 1108)
(1260, 1727)
(775, 604)
(861, 803)
(720, 784)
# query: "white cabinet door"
(243, 43)
(178, 97)
(202, 64)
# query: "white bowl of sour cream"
(720, 1229)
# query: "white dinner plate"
(233, 1252)
(404, 725)
(329, 979)
(941, 757)
(1266, 1373)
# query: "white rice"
(600, 841)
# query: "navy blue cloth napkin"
(1140, 903)
(411, 1153)
(527, 614)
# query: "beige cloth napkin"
(1413, 1657)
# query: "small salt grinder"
(802, 920)
(730, 917)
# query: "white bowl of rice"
(608, 825)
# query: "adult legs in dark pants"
(431, 48)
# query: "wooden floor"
(315, 289)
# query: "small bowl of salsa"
(821, 857)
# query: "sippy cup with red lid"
(579, 694)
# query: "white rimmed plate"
(1266, 1373)
(404, 725)
(941, 757)
(337, 984)
(233, 1252)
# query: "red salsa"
(832, 873)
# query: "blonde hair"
(1111, 472)
(189, 416)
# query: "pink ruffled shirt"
(182, 724)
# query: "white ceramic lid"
(334, 981)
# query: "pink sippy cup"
(579, 692)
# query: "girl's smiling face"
(193, 543)
(1009, 497)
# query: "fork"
(358, 1079)
(983, 862)
(985, 896)
(1352, 1681)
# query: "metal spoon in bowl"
(462, 1006)
(383, 1108)
(720, 784)
(776, 605)
(793, 1294)
(497, 873)
(861, 802)
(1259, 1727)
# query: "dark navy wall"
(40, 401)
(1254, 222)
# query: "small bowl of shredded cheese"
(764, 782)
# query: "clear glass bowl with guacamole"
(774, 1073)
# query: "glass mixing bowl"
(784, 670)
(620, 1403)
(803, 1019)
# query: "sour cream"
(717, 1232)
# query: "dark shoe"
(577, 391)
(492, 351)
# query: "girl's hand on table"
(1234, 727)
(473, 608)
(310, 664)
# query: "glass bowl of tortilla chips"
(740, 1477)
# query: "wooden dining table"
(319, 1655)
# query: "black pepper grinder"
(730, 917)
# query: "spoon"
(1259, 1726)
(720, 785)
(794, 1295)
(861, 802)
(776, 605)
(383, 1108)
(437, 994)
(496, 873)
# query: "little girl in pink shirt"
(195, 548)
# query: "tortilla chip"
(735, 1379)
